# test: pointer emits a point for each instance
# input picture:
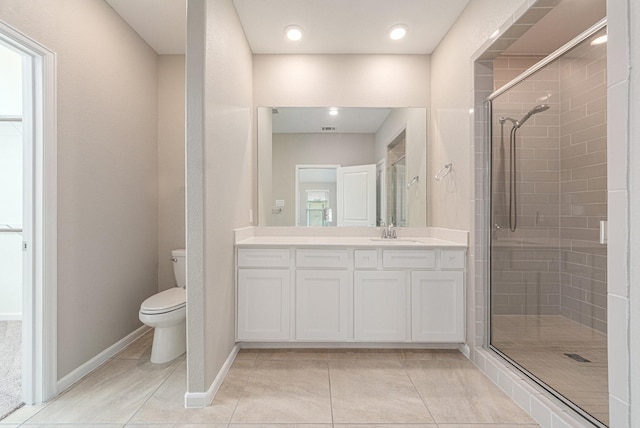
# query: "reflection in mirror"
(376, 159)
(316, 195)
(397, 179)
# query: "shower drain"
(578, 358)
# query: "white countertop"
(343, 241)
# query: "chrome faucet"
(388, 232)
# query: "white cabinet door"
(323, 305)
(380, 306)
(263, 304)
(356, 195)
(437, 306)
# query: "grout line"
(169, 374)
(330, 395)
(404, 367)
(250, 377)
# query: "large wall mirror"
(328, 166)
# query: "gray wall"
(107, 170)
(171, 147)
(221, 178)
(342, 80)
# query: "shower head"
(537, 109)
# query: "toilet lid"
(165, 301)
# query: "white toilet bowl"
(166, 312)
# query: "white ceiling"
(330, 26)
(312, 119)
(347, 26)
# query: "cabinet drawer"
(249, 257)
(452, 259)
(322, 258)
(365, 259)
(418, 259)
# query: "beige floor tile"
(140, 349)
(247, 354)
(432, 354)
(293, 354)
(385, 426)
(457, 392)
(488, 426)
(166, 405)
(171, 426)
(280, 426)
(370, 392)
(111, 394)
(291, 391)
(365, 354)
(74, 426)
(23, 414)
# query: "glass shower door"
(549, 204)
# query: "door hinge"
(24, 245)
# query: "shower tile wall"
(525, 263)
(583, 169)
(553, 264)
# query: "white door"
(357, 195)
(437, 306)
(380, 305)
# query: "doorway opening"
(11, 202)
(30, 123)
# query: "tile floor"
(539, 344)
(286, 389)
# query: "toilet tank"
(179, 258)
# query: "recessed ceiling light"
(333, 111)
(599, 40)
(293, 33)
(494, 34)
(398, 32)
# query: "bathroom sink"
(396, 241)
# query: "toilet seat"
(166, 301)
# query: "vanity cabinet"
(263, 304)
(263, 294)
(323, 295)
(323, 305)
(380, 306)
(437, 298)
(351, 294)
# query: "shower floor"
(539, 344)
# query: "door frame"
(39, 319)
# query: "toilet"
(167, 313)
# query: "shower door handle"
(604, 231)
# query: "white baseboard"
(346, 345)
(98, 360)
(204, 399)
(465, 350)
